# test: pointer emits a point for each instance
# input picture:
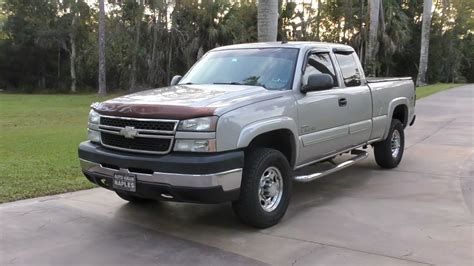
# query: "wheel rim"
(395, 143)
(270, 189)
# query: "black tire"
(249, 208)
(131, 198)
(383, 150)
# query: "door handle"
(342, 102)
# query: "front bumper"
(206, 178)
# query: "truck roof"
(298, 45)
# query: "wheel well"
(401, 113)
(281, 140)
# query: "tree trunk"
(152, 68)
(372, 47)
(362, 33)
(350, 25)
(59, 65)
(133, 74)
(425, 43)
(170, 54)
(267, 20)
(318, 21)
(72, 37)
(102, 85)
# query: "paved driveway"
(419, 213)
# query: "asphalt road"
(418, 213)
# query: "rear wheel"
(266, 188)
(389, 152)
(131, 198)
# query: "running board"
(358, 156)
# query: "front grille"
(137, 134)
(136, 144)
(139, 124)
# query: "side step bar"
(359, 155)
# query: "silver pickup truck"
(243, 124)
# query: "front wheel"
(389, 152)
(266, 188)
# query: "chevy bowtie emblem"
(129, 132)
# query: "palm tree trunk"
(133, 74)
(152, 68)
(267, 20)
(170, 54)
(425, 43)
(102, 85)
(372, 43)
(318, 21)
(372, 47)
(362, 33)
(72, 37)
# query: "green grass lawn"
(39, 135)
(430, 89)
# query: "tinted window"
(319, 63)
(350, 70)
(272, 68)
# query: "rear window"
(350, 70)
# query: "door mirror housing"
(318, 82)
(175, 80)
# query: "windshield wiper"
(238, 83)
(229, 83)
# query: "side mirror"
(318, 82)
(175, 80)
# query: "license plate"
(125, 182)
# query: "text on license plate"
(125, 182)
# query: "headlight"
(195, 145)
(94, 117)
(199, 124)
(92, 133)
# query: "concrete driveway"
(419, 213)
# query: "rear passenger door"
(357, 97)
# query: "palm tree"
(267, 20)
(372, 45)
(102, 85)
(425, 42)
(138, 21)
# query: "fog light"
(93, 136)
(195, 145)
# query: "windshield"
(271, 68)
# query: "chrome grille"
(162, 126)
(153, 136)
(141, 144)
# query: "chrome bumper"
(228, 180)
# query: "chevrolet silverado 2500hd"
(243, 123)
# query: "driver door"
(322, 115)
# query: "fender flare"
(257, 128)
(400, 101)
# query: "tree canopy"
(149, 41)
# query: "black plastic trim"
(413, 120)
(179, 194)
(180, 163)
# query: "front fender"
(263, 126)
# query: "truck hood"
(185, 101)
